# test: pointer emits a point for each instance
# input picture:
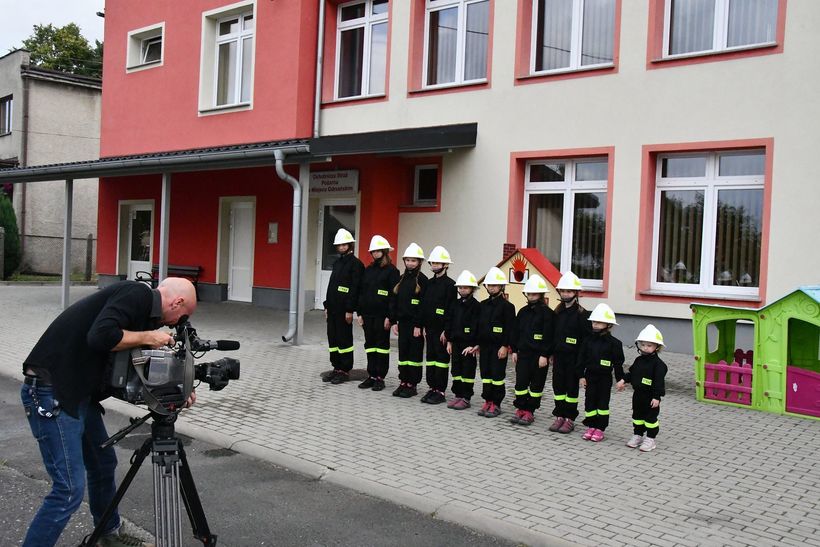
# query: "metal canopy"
(438, 138)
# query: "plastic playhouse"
(779, 369)
(518, 267)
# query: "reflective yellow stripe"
(342, 289)
(468, 380)
(410, 363)
(646, 381)
(467, 330)
(605, 363)
(414, 301)
(486, 381)
(498, 329)
(591, 413)
(538, 336)
(438, 364)
(383, 351)
(382, 292)
(521, 391)
(536, 395)
(638, 422)
(370, 350)
(559, 397)
(346, 350)
(498, 382)
(571, 341)
(652, 425)
(439, 311)
(331, 350)
(603, 412)
(456, 378)
(572, 399)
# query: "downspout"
(295, 243)
(24, 163)
(320, 58)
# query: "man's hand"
(151, 338)
(191, 400)
(348, 318)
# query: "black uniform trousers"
(463, 372)
(565, 386)
(411, 353)
(493, 372)
(438, 362)
(376, 346)
(529, 382)
(596, 402)
(644, 417)
(340, 341)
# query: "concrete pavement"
(720, 476)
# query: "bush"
(12, 255)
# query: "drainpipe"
(295, 244)
(24, 163)
(320, 57)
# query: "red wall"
(156, 109)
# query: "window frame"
(367, 22)
(568, 188)
(711, 184)
(576, 42)
(238, 37)
(136, 47)
(9, 115)
(417, 202)
(461, 40)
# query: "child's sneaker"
(452, 402)
(597, 436)
(567, 427)
(635, 441)
(556, 425)
(378, 384)
(398, 390)
(493, 411)
(516, 418)
(484, 408)
(648, 445)
(409, 391)
(588, 433)
(436, 398)
(527, 418)
(461, 404)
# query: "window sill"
(564, 74)
(5, 134)
(421, 208)
(701, 296)
(238, 107)
(143, 66)
(716, 55)
(449, 88)
(362, 99)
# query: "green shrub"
(12, 254)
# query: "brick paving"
(721, 476)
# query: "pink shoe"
(588, 433)
(452, 402)
(461, 404)
(517, 417)
(556, 425)
(567, 427)
(484, 408)
(493, 411)
(527, 418)
(597, 436)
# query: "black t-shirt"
(74, 350)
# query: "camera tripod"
(172, 482)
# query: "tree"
(64, 49)
(11, 251)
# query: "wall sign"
(334, 183)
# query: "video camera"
(163, 378)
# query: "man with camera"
(64, 382)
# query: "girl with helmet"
(461, 331)
(647, 375)
(439, 296)
(601, 354)
(531, 348)
(375, 302)
(340, 303)
(409, 293)
(495, 323)
(571, 327)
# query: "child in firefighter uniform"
(439, 296)
(375, 302)
(461, 331)
(571, 327)
(495, 323)
(647, 375)
(340, 303)
(600, 356)
(409, 293)
(531, 345)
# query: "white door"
(240, 262)
(333, 214)
(140, 239)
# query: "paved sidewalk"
(720, 476)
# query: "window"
(233, 57)
(698, 26)
(145, 47)
(572, 34)
(361, 48)
(565, 205)
(6, 106)
(457, 34)
(425, 187)
(709, 223)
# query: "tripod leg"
(136, 461)
(193, 506)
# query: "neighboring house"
(658, 148)
(49, 117)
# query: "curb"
(437, 507)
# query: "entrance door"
(140, 239)
(333, 214)
(240, 261)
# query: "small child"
(461, 330)
(495, 323)
(409, 292)
(601, 354)
(439, 297)
(647, 376)
(531, 349)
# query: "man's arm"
(150, 338)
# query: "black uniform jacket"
(600, 356)
(571, 328)
(647, 375)
(407, 304)
(439, 296)
(343, 288)
(376, 291)
(534, 330)
(461, 322)
(496, 321)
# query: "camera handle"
(172, 481)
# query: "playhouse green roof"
(812, 291)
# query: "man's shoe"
(648, 445)
(635, 441)
(461, 404)
(368, 383)
(378, 384)
(493, 411)
(122, 540)
(408, 391)
(597, 436)
(340, 377)
(556, 425)
(527, 418)
(484, 408)
(516, 418)
(588, 433)
(436, 398)
(567, 427)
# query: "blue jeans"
(71, 451)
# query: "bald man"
(64, 382)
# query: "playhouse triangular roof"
(538, 260)
(812, 291)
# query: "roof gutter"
(296, 241)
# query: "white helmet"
(603, 314)
(378, 243)
(535, 284)
(343, 237)
(569, 282)
(495, 277)
(650, 334)
(439, 254)
(413, 251)
(466, 279)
